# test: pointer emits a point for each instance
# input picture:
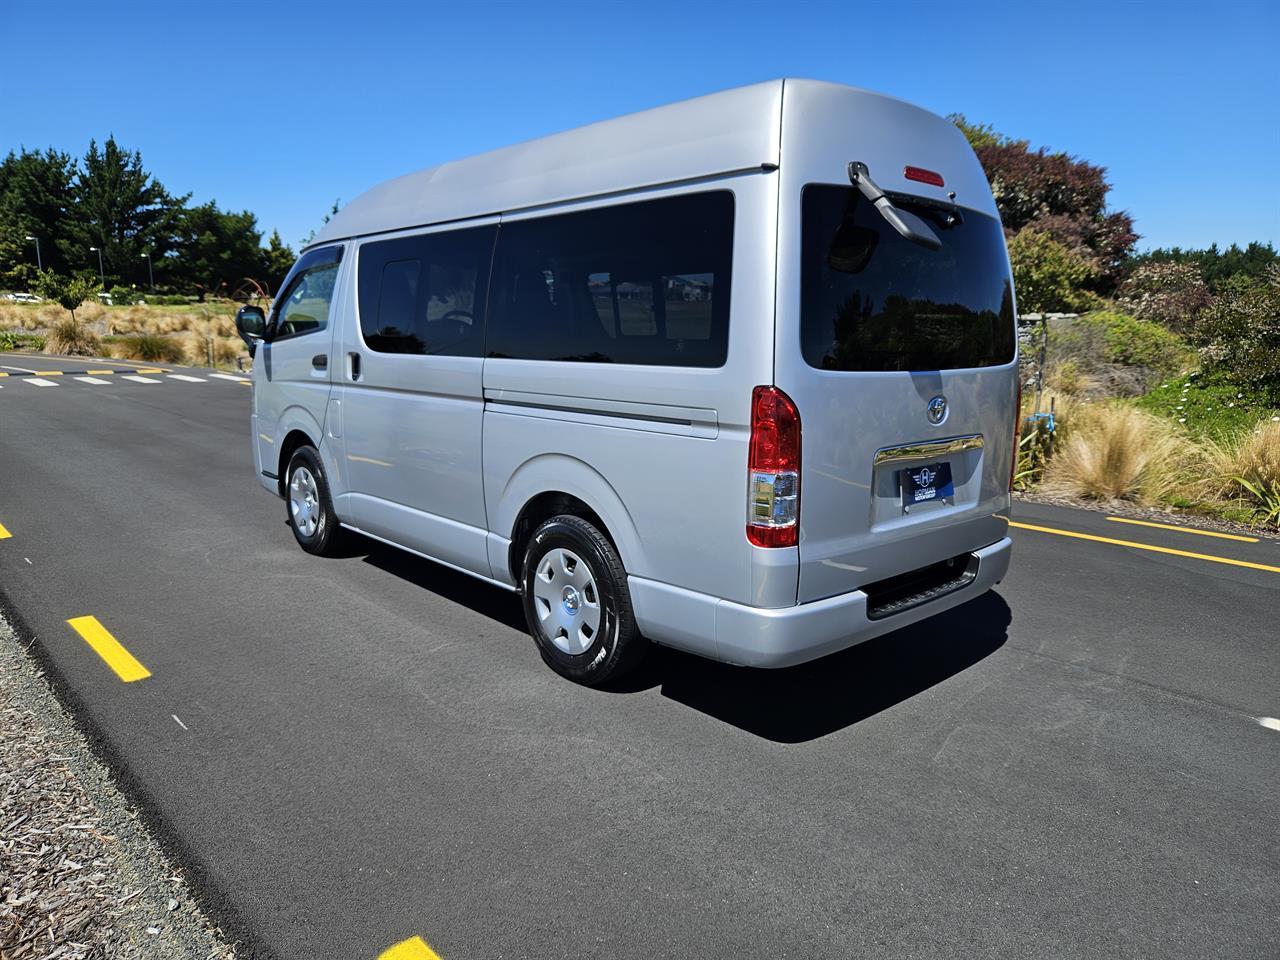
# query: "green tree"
(68, 292)
(311, 237)
(122, 209)
(217, 249)
(1217, 266)
(1048, 276)
(35, 200)
(1055, 194)
(981, 134)
(277, 261)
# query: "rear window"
(872, 300)
(644, 283)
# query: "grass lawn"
(1208, 406)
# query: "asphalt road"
(349, 753)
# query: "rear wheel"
(306, 495)
(577, 603)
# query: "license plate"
(930, 482)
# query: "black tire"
(615, 646)
(325, 536)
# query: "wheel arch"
(553, 484)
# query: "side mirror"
(251, 324)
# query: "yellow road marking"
(98, 372)
(48, 373)
(3, 374)
(1146, 546)
(4, 534)
(415, 948)
(150, 370)
(1171, 526)
(119, 659)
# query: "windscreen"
(872, 300)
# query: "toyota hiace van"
(736, 375)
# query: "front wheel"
(577, 602)
(306, 494)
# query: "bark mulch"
(80, 876)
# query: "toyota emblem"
(937, 409)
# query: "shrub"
(1240, 333)
(150, 347)
(13, 340)
(70, 337)
(1139, 343)
(1117, 452)
(124, 296)
(1048, 276)
(1106, 353)
(1173, 294)
(1249, 470)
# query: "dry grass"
(1247, 469)
(1116, 452)
(73, 338)
(148, 347)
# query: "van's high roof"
(736, 130)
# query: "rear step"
(910, 589)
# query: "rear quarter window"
(872, 300)
(640, 283)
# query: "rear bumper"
(784, 636)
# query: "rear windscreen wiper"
(904, 221)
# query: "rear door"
(900, 358)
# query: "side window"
(638, 283)
(426, 294)
(307, 294)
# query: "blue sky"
(280, 108)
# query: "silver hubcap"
(564, 594)
(304, 501)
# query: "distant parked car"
(24, 298)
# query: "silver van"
(736, 375)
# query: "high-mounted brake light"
(922, 175)
(773, 470)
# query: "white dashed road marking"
(141, 379)
(96, 381)
(185, 379)
(39, 382)
(1271, 723)
(227, 376)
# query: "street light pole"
(102, 277)
(150, 273)
(39, 262)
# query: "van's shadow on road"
(787, 706)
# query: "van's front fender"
(298, 419)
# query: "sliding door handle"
(353, 365)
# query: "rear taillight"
(773, 470)
(1017, 432)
